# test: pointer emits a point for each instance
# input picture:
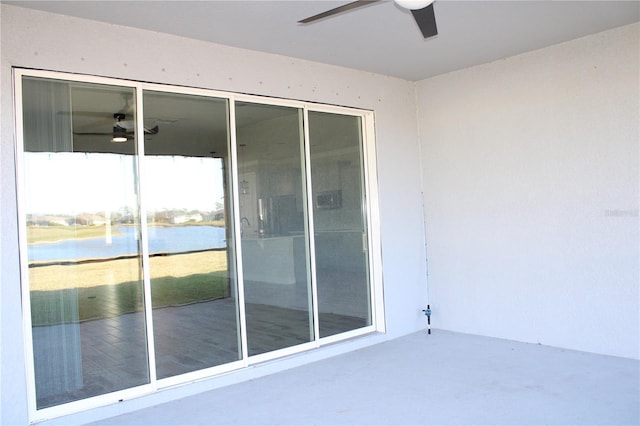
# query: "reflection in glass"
(193, 287)
(340, 224)
(84, 233)
(85, 278)
(274, 232)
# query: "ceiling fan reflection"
(123, 131)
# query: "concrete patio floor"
(442, 378)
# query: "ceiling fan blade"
(426, 20)
(120, 131)
(339, 9)
(151, 131)
(129, 136)
(92, 133)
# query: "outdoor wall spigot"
(427, 313)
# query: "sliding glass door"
(340, 222)
(169, 234)
(83, 241)
(190, 234)
(275, 237)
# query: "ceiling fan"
(123, 130)
(422, 11)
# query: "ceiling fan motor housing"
(413, 4)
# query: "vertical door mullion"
(237, 238)
(312, 236)
(365, 211)
(22, 239)
(373, 222)
(144, 236)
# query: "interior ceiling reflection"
(187, 125)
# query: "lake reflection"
(162, 239)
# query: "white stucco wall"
(530, 169)
(46, 41)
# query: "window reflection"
(85, 277)
(342, 267)
(83, 192)
(191, 258)
(275, 258)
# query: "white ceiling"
(380, 38)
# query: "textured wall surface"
(531, 193)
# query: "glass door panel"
(340, 223)
(84, 184)
(274, 233)
(83, 233)
(191, 259)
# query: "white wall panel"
(531, 193)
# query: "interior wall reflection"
(85, 279)
(195, 308)
(340, 222)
